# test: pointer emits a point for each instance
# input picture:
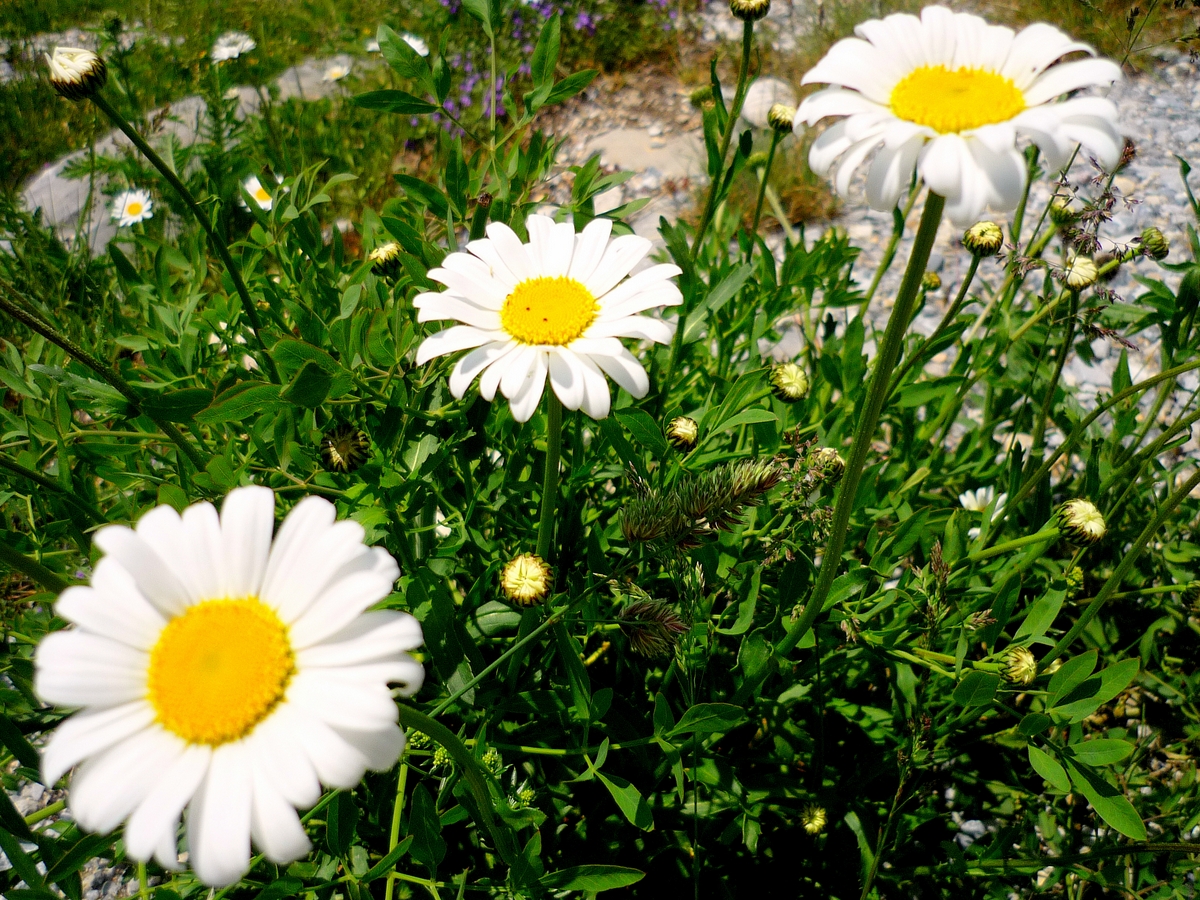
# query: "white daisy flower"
(221, 671)
(76, 73)
(131, 207)
(416, 43)
(372, 45)
(336, 71)
(948, 94)
(261, 196)
(231, 45)
(556, 306)
(978, 501)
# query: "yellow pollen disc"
(261, 195)
(548, 311)
(951, 101)
(134, 208)
(219, 669)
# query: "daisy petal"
(158, 813)
(247, 520)
(589, 249)
(460, 337)
(88, 733)
(218, 830)
(1072, 76)
(527, 397)
(467, 368)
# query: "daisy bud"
(984, 239)
(652, 627)
(1081, 273)
(749, 10)
(828, 463)
(76, 74)
(757, 160)
(931, 281)
(526, 579)
(1020, 667)
(1080, 521)
(789, 382)
(1061, 212)
(812, 817)
(701, 95)
(385, 260)
(682, 432)
(781, 117)
(1154, 243)
(345, 448)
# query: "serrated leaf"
(645, 429)
(977, 688)
(1049, 768)
(705, 718)
(593, 878)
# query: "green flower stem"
(43, 328)
(46, 812)
(776, 136)
(1046, 534)
(218, 244)
(32, 569)
(143, 888)
(1122, 570)
(953, 311)
(472, 773)
(739, 96)
(554, 417)
(889, 252)
(394, 833)
(877, 391)
(43, 481)
(1039, 429)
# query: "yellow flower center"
(548, 311)
(261, 195)
(219, 669)
(951, 101)
(134, 208)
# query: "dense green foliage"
(550, 753)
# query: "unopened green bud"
(345, 448)
(1155, 244)
(789, 382)
(757, 160)
(931, 281)
(983, 239)
(1081, 273)
(682, 433)
(1062, 213)
(812, 817)
(828, 462)
(781, 117)
(526, 579)
(76, 74)
(1020, 666)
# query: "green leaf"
(385, 865)
(664, 721)
(645, 429)
(14, 741)
(593, 878)
(290, 354)
(340, 822)
(481, 10)
(630, 800)
(725, 291)
(1034, 723)
(1048, 767)
(394, 101)
(1100, 751)
(704, 718)
(425, 194)
(977, 688)
(404, 60)
(239, 402)
(124, 267)
(746, 417)
(545, 58)
(280, 888)
(577, 677)
(74, 859)
(1087, 696)
(1041, 616)
(177, 406)
(570, 86)
(309, 387)
(1070, 674)
(24, 864)
(425, 828)
(1108, 802)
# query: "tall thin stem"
(218, 244)
(394, 833)
(554, 416)
(877, 392)
(889, 252)
(776, 136)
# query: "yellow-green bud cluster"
(493, 762)
(781, 117)
(345, 448)
(1080, 521)
(1062, 213)
(385, 260)
(76, 74)
(526, 579)
(749, 10)
(789, 382)
(682, 433)
(1020, 666)
(931, 281)
(1074, 579)
(1155, 244)
(812, 817)
(983, 239)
